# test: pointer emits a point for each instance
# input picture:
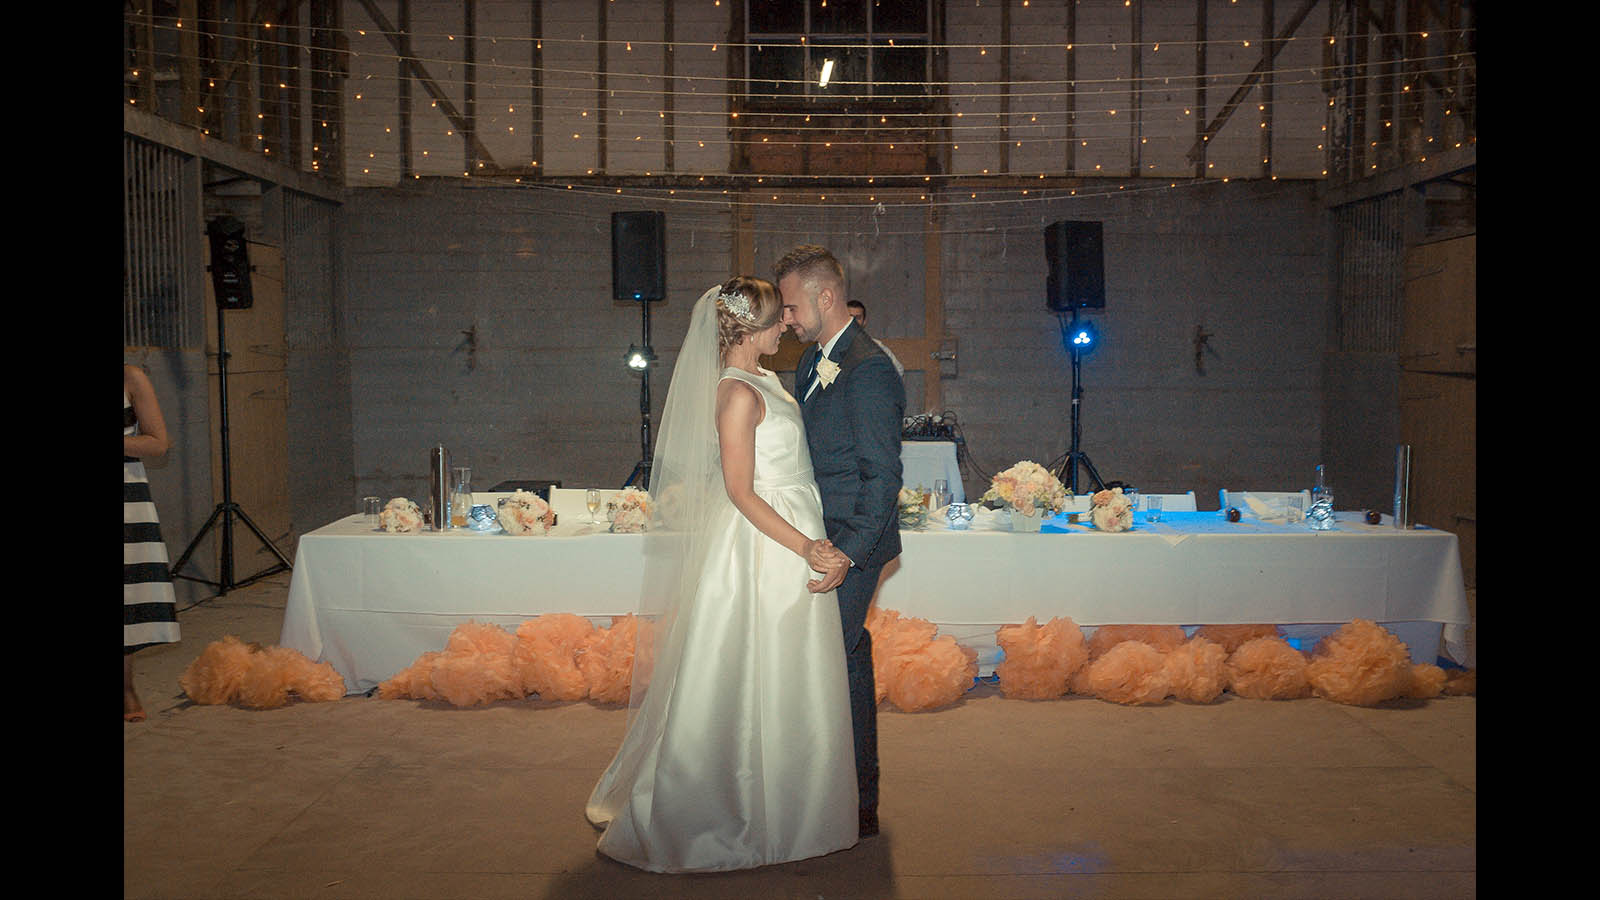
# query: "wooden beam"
(1200, 87)
(470, 73)
(1269, 50)
(222, 153)
(1005, 86)
(1072, 89)
(1261, 68)
(537, 76)
(921, 357)
(1136, 48)
(189, 62)
(600, 89)
(669, 86)
(415, 69)
(403, 89)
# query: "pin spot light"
(639, 358)
(1079, 336)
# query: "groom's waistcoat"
(853, 430)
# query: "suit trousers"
(855, 596)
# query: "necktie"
(810, 374)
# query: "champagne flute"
(591, 499)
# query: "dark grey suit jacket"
(853, 429)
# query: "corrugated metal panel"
(1371, 265)
(310, 286)
(158, 309)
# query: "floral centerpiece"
(1028, 488)
(1110, 511)
(913, 506)
(400, 515)
(525, 513)
(633, 512)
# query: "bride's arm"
(739, 411)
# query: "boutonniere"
(827, 370)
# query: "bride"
(738, 751)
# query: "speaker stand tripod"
(227, 510)
(641, 470)
(1068, 474)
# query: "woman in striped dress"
(149, 607)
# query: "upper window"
(843, 51)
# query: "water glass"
(1152, 508)
(371, 507)
(941, 493)
(1294, 510)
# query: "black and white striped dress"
(149, 606)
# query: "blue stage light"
(1080, 337)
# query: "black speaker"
(230, 263)
(639, 255)
(1077, 271)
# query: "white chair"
(1171, 502)
(1275, 499)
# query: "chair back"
(1275, 499)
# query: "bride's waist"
(802, 478)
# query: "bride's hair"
(745, 305)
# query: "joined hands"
(827, 559)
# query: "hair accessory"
(737, 303)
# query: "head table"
(371, 602)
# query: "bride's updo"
(745, 305)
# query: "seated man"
(859, 313)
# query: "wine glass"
(591, 499)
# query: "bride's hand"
(822, 556)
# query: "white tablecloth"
(371, 603)
(924, 462)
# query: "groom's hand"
(822, 556)
(831, 578)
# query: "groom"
(853, 402)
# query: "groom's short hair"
(812, 263)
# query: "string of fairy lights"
(1101, 113)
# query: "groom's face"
(800, 310)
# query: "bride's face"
(766, 340)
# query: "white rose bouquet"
(1111, 511)
(1028, 488)
(525, 513)
(400, 516)
(633, 512)
(913, 508)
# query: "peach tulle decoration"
(1427, 681)
(1267, 668)
(934, 675)
(1040, 660)
(607, 660)
(1198, 670)
(1161, 637)
(1361, 664)
(894, 641)
(1231, 637)
(478, 666)
(414, 682)
(1461, 683)
(547, 655)
(215, 675)
(1132, 672)
(231, 671)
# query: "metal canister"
(439, 487)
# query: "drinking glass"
(941, 493)
(371, 508)
(1295, 512)
(1152, 508)
(591, 499)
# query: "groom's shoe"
(869, 821)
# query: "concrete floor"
(989, 798)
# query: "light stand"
(1078, 340)
(639, 359)
(232, 290)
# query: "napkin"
(1265, 511)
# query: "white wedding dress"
(745, 758)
